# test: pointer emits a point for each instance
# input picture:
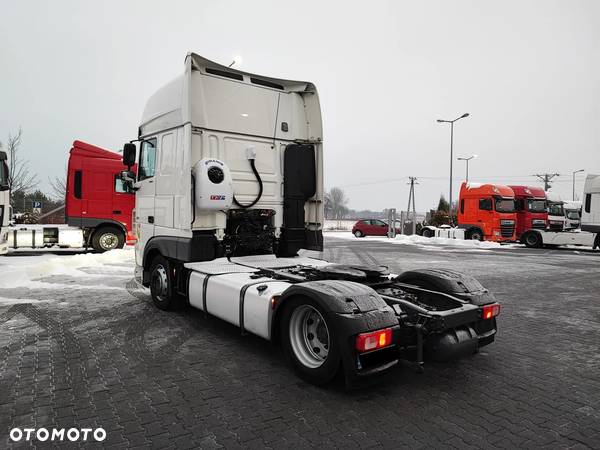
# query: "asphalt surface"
(93, 357)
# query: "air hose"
(260, 188)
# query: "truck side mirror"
(129, 154)
(128, 179)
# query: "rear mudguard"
(449, 281)
(351, 308)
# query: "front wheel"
(476, 235)
(532, 239)
(358, 234)
(162, 283)
(308, 341)
(427, 233)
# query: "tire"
(316, 359)
(475, 234)
(358, 234)
(532, 239)
(107, 238)
(427, 233)
(162, 284)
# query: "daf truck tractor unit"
(230, 188)
(531, 210)
(4, 203)
(485, 212)
(98, 206)
(587, 235)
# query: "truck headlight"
(507, 222)
(538, 221)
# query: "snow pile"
(419, 240)
(24, 271)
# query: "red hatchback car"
(371, 227)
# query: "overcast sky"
(528, 72)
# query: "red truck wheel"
(107, 238)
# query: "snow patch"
(17, 301)
(421, 241)
(23, 271)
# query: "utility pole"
(547, 178)
(411, 198)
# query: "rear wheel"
(358, 234)
(308, 341)
(532, 239)
(107, 238)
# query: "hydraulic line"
(260, 188)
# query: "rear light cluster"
(490, 311)
(374, 340)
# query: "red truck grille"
(507, 230)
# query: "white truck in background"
(572, 214)
(556, 211)
(587, 235)
(229, 187)
(4, 203)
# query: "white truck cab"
(572, 214)
(556, 211)
(4, 203)
(228, 129)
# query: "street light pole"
(467, 161)
(451, 122)
(577, 171)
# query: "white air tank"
(214, 188)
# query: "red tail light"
(366, 342)
(490, 311)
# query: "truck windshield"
(556, 209)
(536, 206)
(505, 205)
(573, 214)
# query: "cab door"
(146, 191)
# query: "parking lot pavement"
(91, 352)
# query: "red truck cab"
(96, 200)
(532, 212)
(487, 212)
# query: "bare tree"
(58, 185)
(336, 202)
(20, 177)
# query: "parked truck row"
(525, 214)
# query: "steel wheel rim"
(160, 283)
(109, 241)
(309, 336)
(358, 234)
(532, 240)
